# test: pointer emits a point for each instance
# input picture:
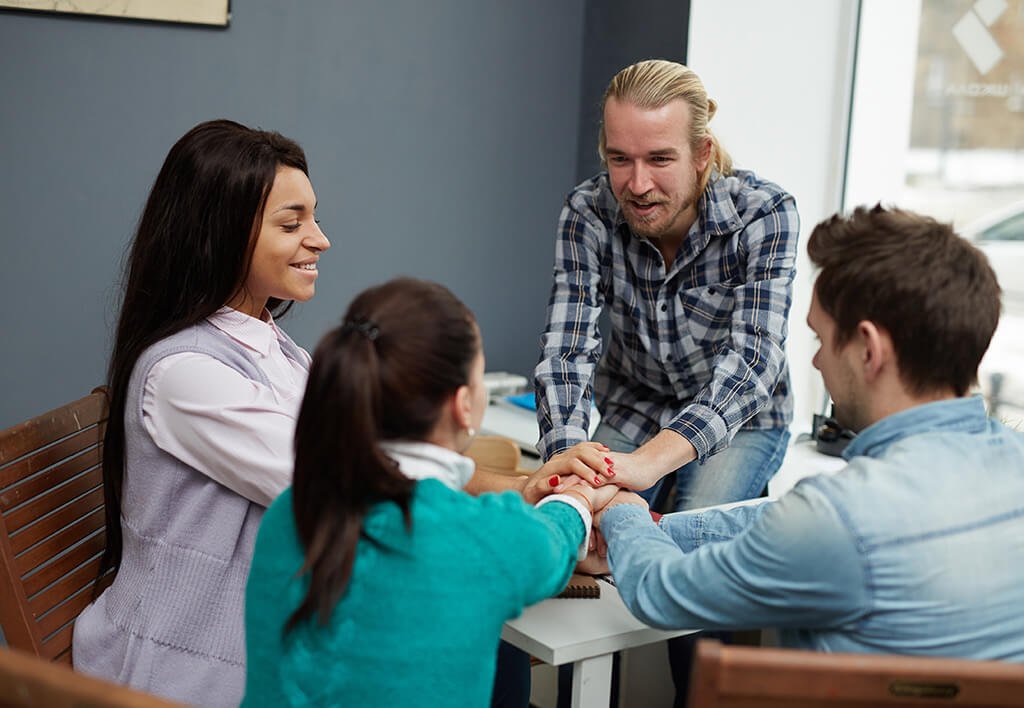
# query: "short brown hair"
(932, 291)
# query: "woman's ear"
(462, 407)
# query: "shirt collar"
(966, 415)
(250, 332)
(717, 213)
(420, 460)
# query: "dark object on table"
(831, 438)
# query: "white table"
(585, 633)
(519, 424)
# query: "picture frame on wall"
(199, 12)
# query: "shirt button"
(664, 307)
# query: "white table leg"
(592, 682)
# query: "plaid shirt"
(699, 349)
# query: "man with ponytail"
(694, 261)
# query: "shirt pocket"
(705, 313)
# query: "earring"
(470, 432)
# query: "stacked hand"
(570, 467)
(601, 499)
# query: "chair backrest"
(51, 524)
(495, 453)
(27, 681)
(759, 677)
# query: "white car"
(1000, 235)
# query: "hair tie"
(364, 327)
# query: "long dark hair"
(402, 349)
(190, 255)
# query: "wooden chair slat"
(59, 644)
(64, 613)
(43, 430)
(55, 522)
(41, 459)
(40, 483)
(42, 505)
(16, 619)
(27, 681)
(66, 586)
(760, 677)
(51, 526)
(59, 542)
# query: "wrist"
(583, 497)
(664, 453)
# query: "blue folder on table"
(523, 400)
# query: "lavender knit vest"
(172, 622)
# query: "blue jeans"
(740, 471)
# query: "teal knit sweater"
(420, 621)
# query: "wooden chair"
(495, 454)
(51, 524)
(759, 677)
(27, 681)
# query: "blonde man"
(694, 262)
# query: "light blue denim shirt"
(915, 547)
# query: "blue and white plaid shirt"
(699, 349)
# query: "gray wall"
(442, 138)
(617, 34)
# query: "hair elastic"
(364, 327)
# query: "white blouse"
(236, 431)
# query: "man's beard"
(658, 223)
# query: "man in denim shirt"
(917, 546)
(694, 262)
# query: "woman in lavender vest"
(204, 393)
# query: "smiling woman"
(204, 393)
(284, 261)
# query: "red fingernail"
(611, 472)
(597, 480)
(610, 463)
(553, 481)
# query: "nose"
(317, 240)
(639, 179)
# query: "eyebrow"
(301, 208)
(659, 152)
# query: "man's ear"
(703, 154)
(876, 349)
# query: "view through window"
(962, 156)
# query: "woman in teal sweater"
(376, 580)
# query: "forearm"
(487, 481)
(664, 453)
(794, 565)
